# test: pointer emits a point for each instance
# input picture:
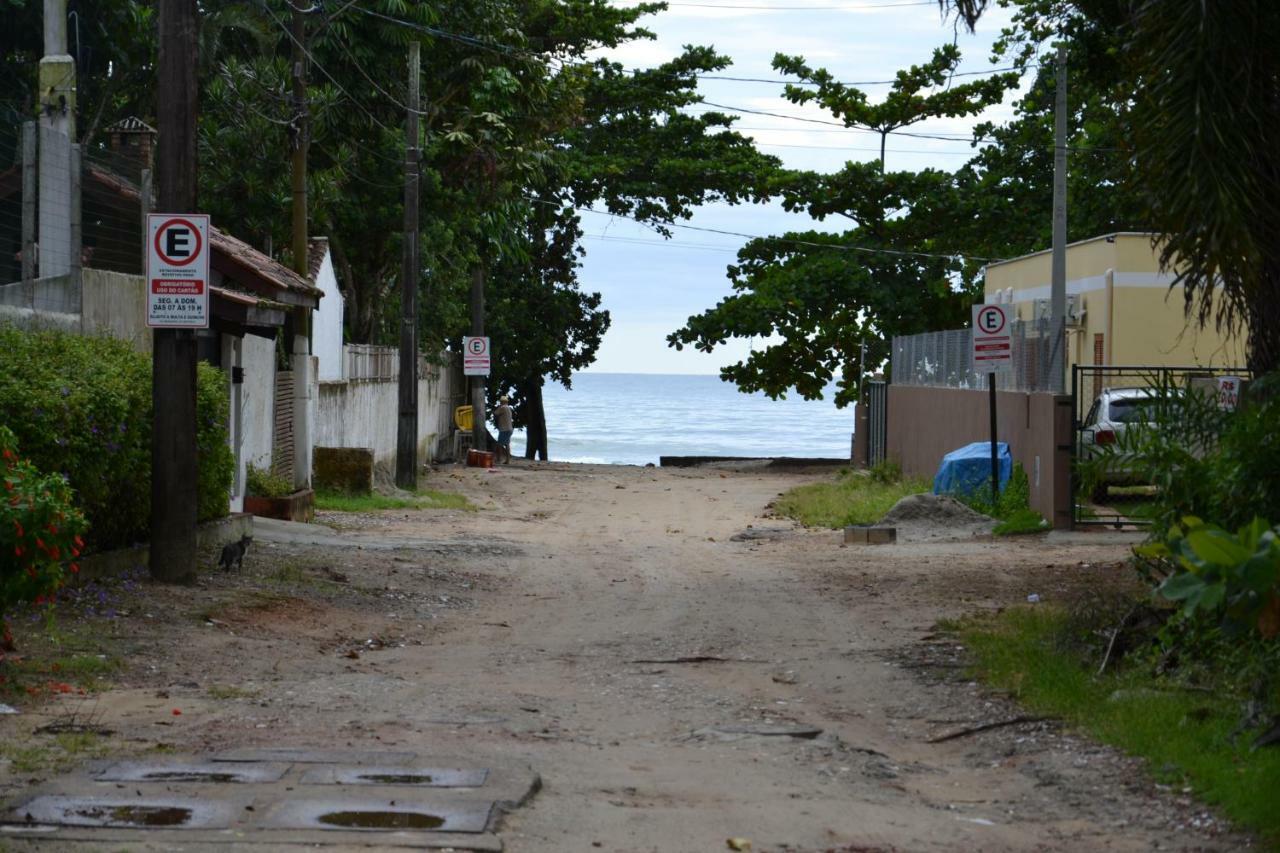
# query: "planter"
(299, 506)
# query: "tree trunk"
(535, 421)
(1264, 322)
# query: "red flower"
(177, 713)
(75, 567)
(53, 530)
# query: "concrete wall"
(927, 423)
(1129, 307)
(326, 325)
(115, 304)
(364, 414)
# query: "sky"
(650, 285)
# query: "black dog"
(233, 553)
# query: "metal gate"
(1097, 392)
(282, 436)
(877, 421)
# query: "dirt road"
(673, 686)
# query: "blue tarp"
(968, 470)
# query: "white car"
(1115, 412)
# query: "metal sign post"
(992, 351)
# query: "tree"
(817, 298)
(1205, 86)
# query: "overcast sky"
(650, 285)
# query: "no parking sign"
(992, 339)
(178, 270)
(476, 359)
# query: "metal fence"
(877, 421)
(945, 359)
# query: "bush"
(40, 531)
(264, 483)
(81, 407)
(1013, 508)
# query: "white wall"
(365, 414)
(326, 324)
(258, 399)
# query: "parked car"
(1115, 413)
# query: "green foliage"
(854, 498)
(1021, 521)
(1190, 737)
(40, 531)
(81, 407)
(265, 483)
(1013, 508)
(215, 463)
(1232, 576)
(886, 472)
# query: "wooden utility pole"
(479, 434)
(298, 132)
(1058, 280)
(173, 365)
(407, 430)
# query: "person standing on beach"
(502, 417)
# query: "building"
(1120, 309)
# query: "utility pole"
(173, 364)
(478, 432)
(300, 356)
(1058, 281)
(57, 99)
(407, 431)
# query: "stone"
(856, 534)
(343, 469)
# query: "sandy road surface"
(672, 686)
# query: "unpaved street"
(674, 687)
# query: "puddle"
(382, 820)
(134, 815)
(187, 776)
(396, 779)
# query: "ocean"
(633, 418)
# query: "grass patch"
(854, 498)
(58, 754)
(1021, 521)
(421, 499)
(1185, 736)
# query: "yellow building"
(1120, 309)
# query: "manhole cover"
(136, 813)
(381, 815)
(432, 777)
(195, 771)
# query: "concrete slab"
(192, 771)
(415, 776)
(137, 812)
(859, 535)
(272, 841)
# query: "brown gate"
(282, 435)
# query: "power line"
(791, 240)
(848, 82)
(857, 8)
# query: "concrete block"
(343, 469)
(856, 534)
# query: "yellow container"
(462, 418)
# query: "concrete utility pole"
(173, 365)
(1058, 282)
(407, 430)
(57, 100)
(300, 356)
(478, 432)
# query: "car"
(1115, 413)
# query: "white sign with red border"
(992, 339)
(475, 356)
(1228, 392)
(178, 270)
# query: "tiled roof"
(263, 266)
(315, 257)
(132, 124)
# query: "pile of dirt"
(927, 516)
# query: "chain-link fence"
(945, 359)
